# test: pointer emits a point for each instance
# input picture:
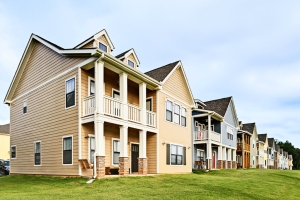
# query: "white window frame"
(151, 103)
(103, 45)
(112, 93)
(34, 143)
(171, 154)
(89, 85)
(130, 61)
(179, 114)
(112, 150)
(171, 112)
(62, 148)
(66, 93)
(173, 109)
(182, 107)
(24, 107)
(15, 151)
(89, 145)
(200, 151)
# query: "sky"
(245, 49)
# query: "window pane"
(149, 104)
(183, 121)
(92, 156)
(179, 150)
(173, 149)
(169, 105)
(183, 112)
(24, 103)
(169, 116)
(179, 160)
(24, 110)
(37, 147)
(92, 89)
(116, 146)
(176, 109)
(116, 94)
(70, 85)
(67, 157)
(92, 143)
(176, 118)
(130, 63)
(116, 158)
(102, 47)
(70, 101)
(68, 143)
(13, 152)
(173, 159)
(37, 158)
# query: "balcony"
(203, 135)
(114, 108)
(240, 147)
(260, 153)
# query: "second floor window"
(229, 133)
(130, 63)
(103, 47)
(177, 114)
(169, 111)
(92, 87)
(183, 116)
(24, 107)
(70, 92)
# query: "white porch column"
(234, 155)
(143, 144)
(220, 153)
(99, 137)
(208, 155)
(224, 158)
(229, 154)
(229, 162)
(123, 95)
(123, 141)
(142, 98)
(99, 84)
(209, 127)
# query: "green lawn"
(221, 184)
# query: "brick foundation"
(220, 165)
(260, 166)
(224, 164)
(229, 165)
(100, 166)
(143, 166)
(233, 164)
(123, 166)
(208, 164)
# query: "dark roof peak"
(249, 127)
(262, 137)
(122, 54)
(218, 105)
(161, 73)
(5, 128)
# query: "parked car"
(4, 167)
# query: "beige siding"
(85, 85)
(47, 121)
(152, 93)
(88, 45)
(4, 146)
(151, 153)
(43, 65)
(103, 40)
(111, 80)
(176, 86)
(133, 93)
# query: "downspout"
(95, 114)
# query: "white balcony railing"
(260, 153)
(151, 118)
(89, 105)
(134, 113)
(203, 135)
(112, 106)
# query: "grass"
(219, 184)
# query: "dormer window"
(130, 63)
(103, 47)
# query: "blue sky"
(245, 49)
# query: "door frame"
(215, 159)
(130, 154)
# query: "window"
(169, 111)
(24, 107)
(253, 142)
(130, 63)
(183, 117)
(37, 153)
(70, 92)
(229, 133)
(92, 149)
(116, 151)
(67, 150)
(116, 94)
(176, 155)
(13, 152)
(200, 154)
(149, 104)
(103, 47)
(91, 86)
(177, 114)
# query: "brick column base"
(224, 164)
(260, 166)
(233, 164)
(208, 164)
(220, 164)
(123, 166)
(100, 166)
(229, 166)
(143, 166)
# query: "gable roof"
(291, 157)
(277, 147)
(96, 36)
(262, 137)
(161, 73)
(270, 142)
(5, 128)
(219, 105)
(122, 54)
(127, 53)
(249, 127)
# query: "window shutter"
(184, 155)
(168, 154)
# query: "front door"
(134, 157)
(214, 160)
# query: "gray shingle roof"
(270, 142)
(262, 137)
(122, 54)
(277, 148)
(219, 105)
(291, 157)
(161, 73)
(5, 128)
(249, 127)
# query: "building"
(290, 162)
(4, 141)
(262, 151)
(252, 129)
(215, 134)
(244, 136)
(271, 152)
(84, 112)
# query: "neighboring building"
(290, 162)
(73, 107)
(279, 157)
(262, 150)
(244, 136)
(4, 141)
(276, 157)
(271, 152)
(214, 135)
(285, 160)
(282, 159)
